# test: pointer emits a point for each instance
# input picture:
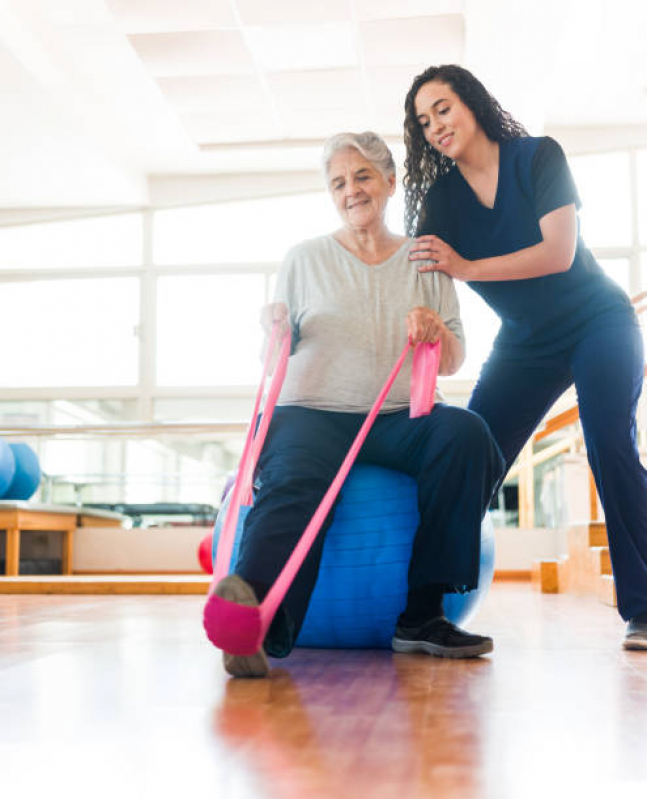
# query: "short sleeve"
(442, 297)
(552, 180)
(435, 214)
(287, 291)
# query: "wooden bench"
(16, 516)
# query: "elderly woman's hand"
(275, 312)
(424, 325)
(443, 258)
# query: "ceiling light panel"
(315, 89)
(398, 9)
(165, 16)
(193, 53)
(230, 92)
(262, 12)
(296, 47)
(423, 40)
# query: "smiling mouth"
(356, 205)
(444, 141)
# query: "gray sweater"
(348, 324)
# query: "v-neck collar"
(497, 193)
(374, 267)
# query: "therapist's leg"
(513, 396)
(608, 370)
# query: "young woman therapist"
(497, 208)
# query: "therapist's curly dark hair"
(423, 164)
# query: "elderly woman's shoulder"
(309, 249)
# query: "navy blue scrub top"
(541, 315)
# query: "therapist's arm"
(552, 255)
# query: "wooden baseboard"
(138, 572)
(512, 575)
(114, 585)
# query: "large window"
(604, 185)
(240, 232)
(208, 330)
(154, 316)
(70, 332)
(103, 241)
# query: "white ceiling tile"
(387, 88)
(398, 9)
(389, 122)
(262, 12)
(231, 92)
(218, 128)
(193, 53)
(297, 47)
(389, 85)
(303, 124)
(160, 16)
(424, 40)
(317, 88)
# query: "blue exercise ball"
(27, 475)
(362, 584)
(7, 466)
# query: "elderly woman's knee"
(296, 471)
(469, 432)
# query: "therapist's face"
(359, 190)
(446, 122)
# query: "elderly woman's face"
(360, 191)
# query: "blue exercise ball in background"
(27, 476)
(362, 583)
(7, 466)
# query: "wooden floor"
(124, 697)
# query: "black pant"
(450, 453)
(607, 369)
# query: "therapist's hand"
(424, 326)
(443, 257)
(275, 312)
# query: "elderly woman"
(351, 299)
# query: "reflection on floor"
(124, 697)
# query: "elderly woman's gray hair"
(368, 144)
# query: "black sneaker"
(636, 637)
(441, 638)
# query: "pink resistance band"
(239, 629)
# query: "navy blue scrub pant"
(450, 453)
(607, 365)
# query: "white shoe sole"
(635, 643)
(405, 647)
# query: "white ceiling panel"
(245, 126)
(164, 16)
(193, 53)
(297, 47)
(269, 12)
(303, 124)
(387, 84)
(397, 9)
(420, 40)
(317, 88)
(143, 87)
(231, 92)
